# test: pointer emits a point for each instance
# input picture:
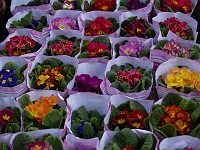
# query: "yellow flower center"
(185, 7)
(100, 50)
(139, 117)
(127, 51)
(104, 7)
(6, 117)
(10, 79)
(136, 124)
(36, 148)
(100, 32)
(175, 2)
(7, 70)
(61, 27)
(1, 76)
(121, 121)
(139, 30)
(3, 81)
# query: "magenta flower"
(64, 24)
(131, 49)
(6, 116)
(135, 5)
(37, 145)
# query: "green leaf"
(195, 131)
(125, 87)
(9, 65)
(144, 53)
(82, 113)
(189, 105)
(26, 113)
(86, 6)
(168, 130)
(57, 5)
(171, 98)
(110, 75)
(24, 100)
(134, 105)
(88, 131)
(95, 114)
(21, 141)
(148, 143)
(15, 127)
(3, 146)
(195, 115)
(114, 112)
(116, 85)
(95, 121)
(33, 129)
(55, 142)
(83, 55)
(43, 138)
(26, 129)
(124, 106)
(53, 119)
(112, 146)
(155, 116)
(161, 82)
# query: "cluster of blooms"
(105, 5)
(132, 77)
(131, 49)
(38, 145)
(130, 118)
(41, 107)
(19, 45)
(184, 6)
(178, 117)
(65, 47)
(85, 83)
(189, 148)
(96, 49)
(174, 48)
(64, 24)
(69, 4)
(6, 116)
(178, 78)
(8, 78)
(177, 27)
(135, 5)
(128, 148)
(100, 26)
(136, 28)
(49, 78)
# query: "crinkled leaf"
(24, 100)
(168, 130)
(171, 98)
(55, 142)
(155, 116)
(21, 141)
(82, 113)
(134, 105)
(88, 131)
(148, 143)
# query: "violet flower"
(135, 5)
(64, 24)
(131, 49)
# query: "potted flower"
(20, 43)
(86, 120)
(21, 5)
(179, 76)
(129, 76)
(128, 139)
(49, 139)
(66, 4)
(100, 23)
(93, 5)
(35, 21)
(52, 73)
(174, 115)
(134, 47)
(127, 113)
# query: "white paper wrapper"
(171, 63)
(21, 88)
(38, 134)
(108, 135)
(118, 99)
(93, 15)
(41, 58)
(21, 32)
(147, 43)
(179, 142)
(182, 17)
(55, 33)
(92, 69)
(37, 14)
(5, 139)
(16, 6)
(35, 95)
(136, 62)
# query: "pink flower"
(37, 145)
(64, 24)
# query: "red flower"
(119, 120)
(6, 116)
(95, 49)
(128, 148)
(105, 5)
(37, 145)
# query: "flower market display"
(100, 75)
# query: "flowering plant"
(67, 4)
(176, 116)
(44, 113)
(64, 24)
(37, 3)
(173, 48)
(126, 78)
(106, 5)
(12, 75)
(179, 28)
(134, 49)
(126, 139)
(136, 27)
(62, 45)
(181, 79)
(100, 26)
(184, 6)
(20, 45)
(130, 114)
(10, 120)
(29, 22)
(98, 47)
(132, 4)
(87, 124)
(52, 74)
(24, 141)
(86, 83)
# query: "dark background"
(196, 16)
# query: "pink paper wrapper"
(21, 32)
(118, 99)
(136, 62)
(37, 14)
(41, 58)
(21, 88)
(171, 63)
(92, 69)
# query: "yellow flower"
(174, 81)
(197, 84)
(42, 79)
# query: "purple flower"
(83, 79)
(131, 49)
(135, 4)
(8, 78)
(95, 82)
(64, 24)
(38, 145)
(80, 128)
